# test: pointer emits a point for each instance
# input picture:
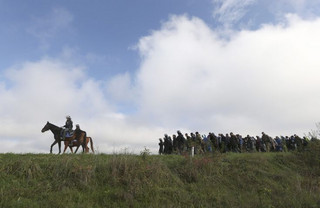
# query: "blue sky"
(130, 71)
(108, 30)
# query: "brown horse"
(80, 138)
(57, 132)
(77, 143)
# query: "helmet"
(77, 126)
(68, 117)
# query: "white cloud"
(48, 90)
(264, 80)
(121, 88)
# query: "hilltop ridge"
(125, 180)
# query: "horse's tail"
(91, 143)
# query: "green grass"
(219, 180)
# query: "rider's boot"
(63, 136)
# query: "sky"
(129, 72)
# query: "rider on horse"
(68, 127)
(77, 133)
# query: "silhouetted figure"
(181, 142)
(161, 144)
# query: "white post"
(192, 152)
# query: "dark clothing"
(77, 133)
(258, 144)
(161, 147)
(168, 145)
(181, 141)
(69, 125)
(233, 143)
(197, 144)
(68, 129)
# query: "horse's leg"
(70, 147)
(87, 149)
(55, 142)
(66, 144)
(84, 148)
(87, 142)
(77, 149)
(84, 144)
(57, 138)
(59, 143)
(77, 145)
(80, 142)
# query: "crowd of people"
(200, 144)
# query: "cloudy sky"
(130, 71)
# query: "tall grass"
(125, 180)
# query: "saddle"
(68, 134)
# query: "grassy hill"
(123, 180)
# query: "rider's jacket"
(68, 125)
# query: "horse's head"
(46, 127)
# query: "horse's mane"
(54, 126)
